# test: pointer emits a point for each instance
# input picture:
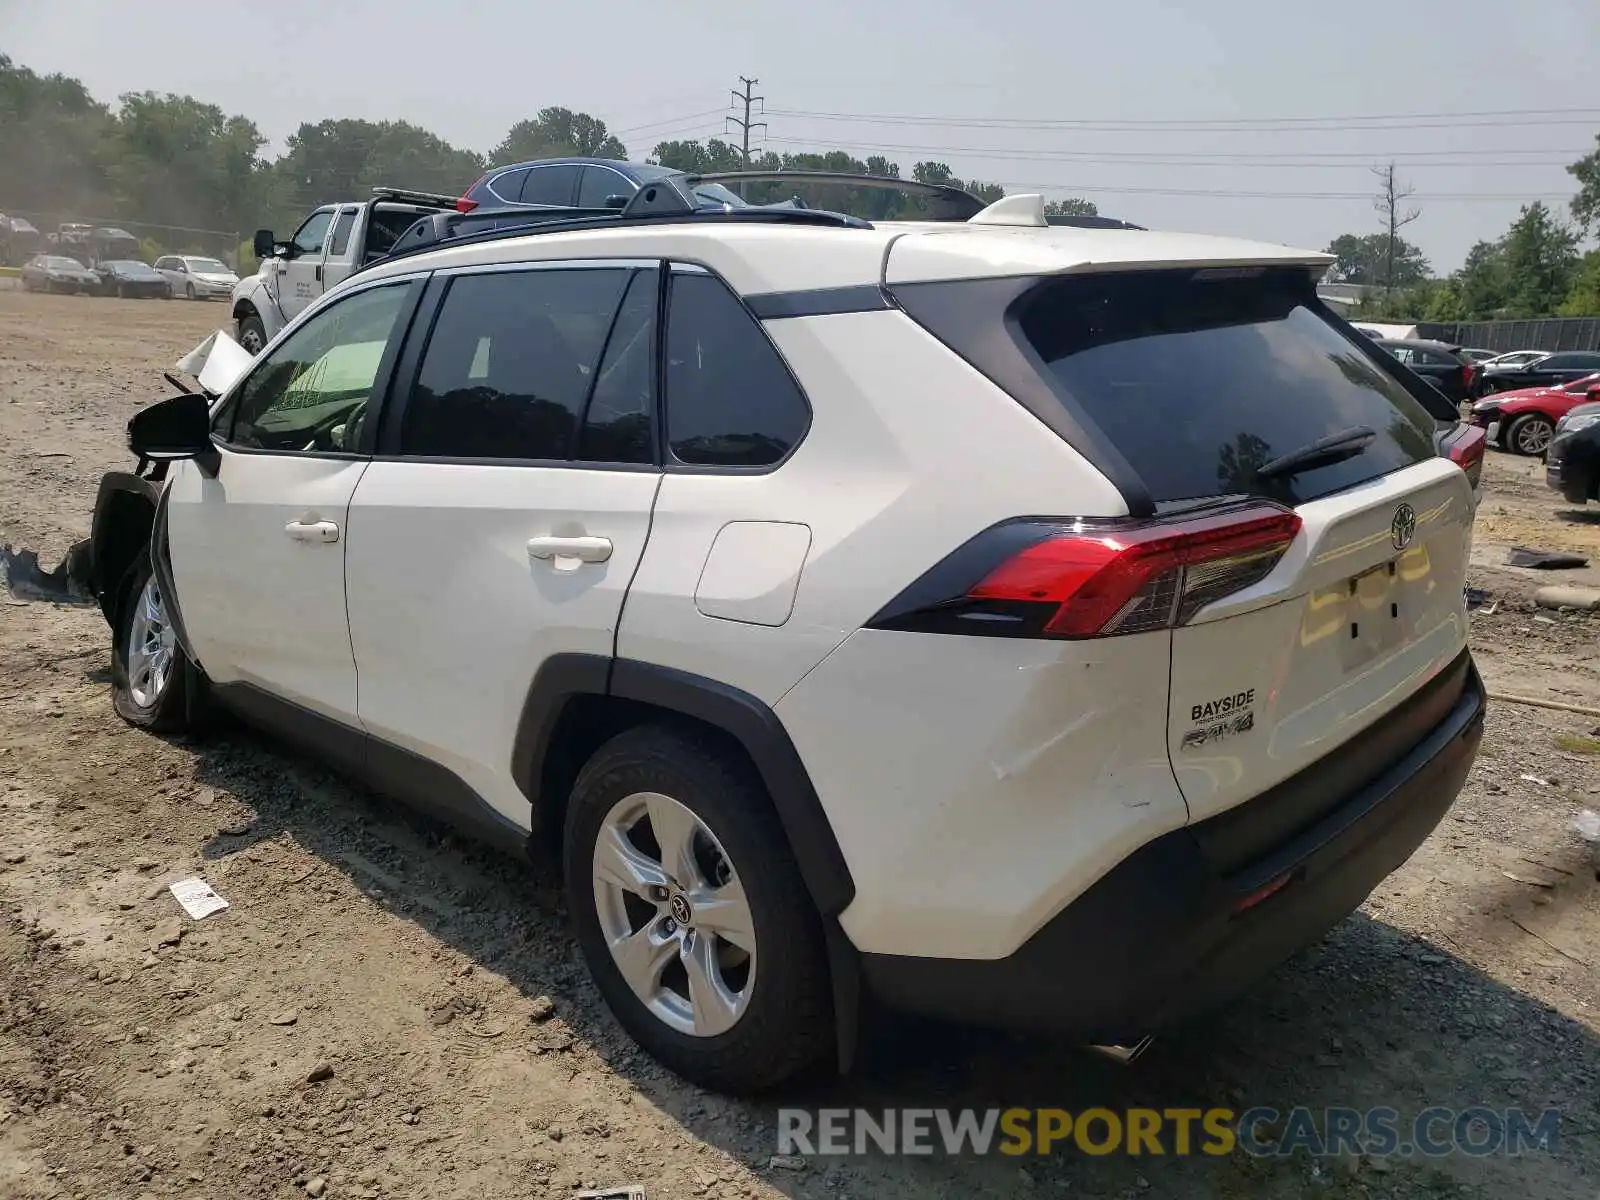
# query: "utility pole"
(744, 123)
(1389, 198)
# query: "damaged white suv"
(1048, 626)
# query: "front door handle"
(568, 553)
(312, 531)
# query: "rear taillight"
(464, 205)
(1465, 448)
(1469, 372)
(1093, 578)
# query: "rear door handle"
(312, 531)
(568, 553)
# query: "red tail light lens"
(1465, 448)
(1088, 579)
(1469, 372)
(465, 205)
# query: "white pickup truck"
(331, 243)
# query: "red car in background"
(1524, 421)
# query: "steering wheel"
(322, 433)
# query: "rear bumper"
(1163, 936)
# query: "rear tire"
(188, 290)
(152, 680)
(724, 1015)
(1529, 434)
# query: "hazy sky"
(992, 89)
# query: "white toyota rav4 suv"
(1052, 627)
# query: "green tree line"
(1537, 268)
(173, 160)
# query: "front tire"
(691, 912)
(188, 290)
(252, 333)
(1530, 434)
(150, 675)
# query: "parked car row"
(192, 276)
(1524, 421)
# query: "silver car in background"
(195, 276)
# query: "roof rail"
(959, 205)
(407, 195)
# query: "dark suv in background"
(589, 183)
(1440, 363)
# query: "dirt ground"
(145, 1054)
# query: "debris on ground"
(197, 897)
(1586, 825)
(28, 582)
(1566, 595)
(1544, 560)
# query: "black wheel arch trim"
(107, 522)
(743, 717)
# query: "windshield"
(124, 267)
(715, 193)
(708, 193)
(208, 266)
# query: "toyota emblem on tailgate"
(1403, 527)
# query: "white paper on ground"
(197, 898)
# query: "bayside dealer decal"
(1221, 718)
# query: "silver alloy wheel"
(674, 914)
(1533, 436)
(152, 647)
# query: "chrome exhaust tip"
(1125, 1054)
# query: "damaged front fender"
(70, 584)
(124, 513)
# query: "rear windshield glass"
(1198, 380)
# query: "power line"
(1505, 118)
(1182, 159)
(1074, 187)
(711, 112)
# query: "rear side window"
(508, 186)
(1198, 380)
(731, 401)
(1571, 362)
(550, 185)
(339, 240)
(600, 183)
(510, 363)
